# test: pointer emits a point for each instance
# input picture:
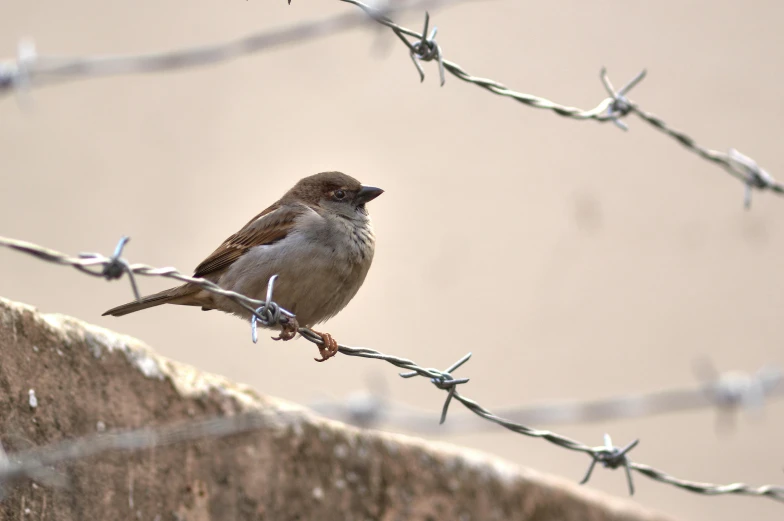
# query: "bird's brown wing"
(268, 227)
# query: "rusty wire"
(607, 455)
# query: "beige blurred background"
(575, 260)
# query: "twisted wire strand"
(748, 175)
(609, 456)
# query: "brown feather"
(178, 295)
(257, 232)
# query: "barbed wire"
(32, 70)
(607, 455)
(613, 108)
(727, 392)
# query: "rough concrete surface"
(298, 466)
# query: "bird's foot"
(328, 349)
(288, 330)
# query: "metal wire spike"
(426, 49)
(112, 267)
(611, 457)
(118, 265)
(755, 176)
(269, 314)
(445, 382)
(620, 106)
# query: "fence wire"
(32, 70)
(727, 392)
(608, 455)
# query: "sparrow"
(318, 240)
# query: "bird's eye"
(339, 194)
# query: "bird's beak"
(368, 193)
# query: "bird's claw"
(328, 349)
(288, 330)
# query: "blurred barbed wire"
(36, 463)
(726, 392)
(33, 70)
(270, 314)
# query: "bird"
(318, 239)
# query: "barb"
(620, 106)
(446, 383)
(612, 457)
(755, 177)
(426, 49)
(116, 266)
(442, 379)
(270, 311)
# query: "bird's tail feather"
(178, 295)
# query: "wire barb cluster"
(116, 266)
(612, 457)
(269, 314)
(755, 177)
(446, 382)
(608, 455)
(426, 49)
(620, 106)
